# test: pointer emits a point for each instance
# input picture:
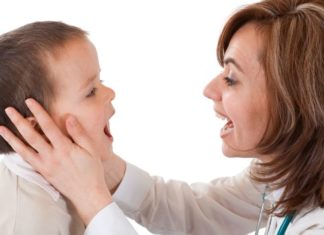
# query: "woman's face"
(239, 94)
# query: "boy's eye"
(229, 81)
(92, 92)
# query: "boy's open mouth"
(107, 132)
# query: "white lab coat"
(225, 206)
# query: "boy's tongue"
(107, 132)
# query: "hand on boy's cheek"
(82, 137)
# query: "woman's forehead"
(245, 47)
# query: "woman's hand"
(74, 168)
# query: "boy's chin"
(107, 153)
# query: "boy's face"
(78, 89)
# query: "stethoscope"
(284, 225)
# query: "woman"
(271, 92)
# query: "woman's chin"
(228, 152)
(231, 152)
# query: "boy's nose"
(110, 94)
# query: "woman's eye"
(92, 92)
(229, 81)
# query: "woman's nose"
(212, 90)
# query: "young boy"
(57, 65)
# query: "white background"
(157, 56)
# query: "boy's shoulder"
(28, 209)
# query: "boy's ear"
(32, 121)
(34, 124)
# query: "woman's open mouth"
(228, 127)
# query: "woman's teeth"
(220, 116)
(228, 126)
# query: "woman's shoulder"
(308, 220)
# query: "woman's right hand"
(73, 167)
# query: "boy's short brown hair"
(24, 72)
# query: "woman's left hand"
(73, 167)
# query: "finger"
(78, 134)
(48, 126)
(27, 131)
(27, 153)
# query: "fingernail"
(9, 111)
(29, 102)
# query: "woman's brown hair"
(293, 61)
(24, 69)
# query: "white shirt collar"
(21, 168)
(276, 194)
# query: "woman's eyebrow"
(230, 60)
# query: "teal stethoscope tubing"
(261, 211)
(285, 223)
